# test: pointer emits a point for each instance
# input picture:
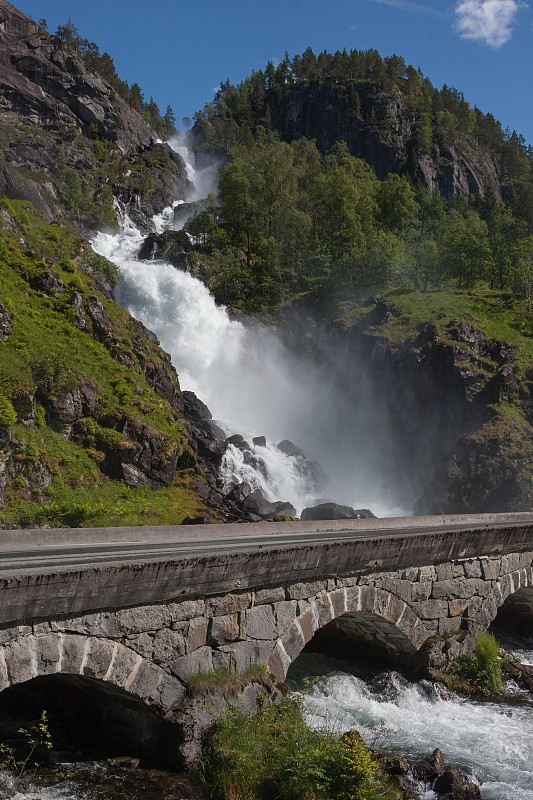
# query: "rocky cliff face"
(50, 100)
(460, 406)
(384, 134)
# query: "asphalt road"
(29, 556)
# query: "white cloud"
(488, 21)
(406, 5)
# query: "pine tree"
(170, 122)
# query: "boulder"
(238, 441)
(309, 469)
(335, 511)
(455, 784)
(430, 767)
(239, 493)
(259, 441)
(257, 504)
(522, 674)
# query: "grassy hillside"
(61, 464)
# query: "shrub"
(479, 673)
(275, 754)
(8, 416)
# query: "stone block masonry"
(430, 612)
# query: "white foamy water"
(10, 789)
(492, 741)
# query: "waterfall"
(256, 386)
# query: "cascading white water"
(492, 741)
(254, 385)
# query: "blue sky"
(179, 52)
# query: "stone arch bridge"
(415, 590)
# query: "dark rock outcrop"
(49, 85)
(430, 767)
(72, 403)
(256, 503)
(335, 511)
(455, 784)
(382, 132)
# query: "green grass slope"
(75, 396)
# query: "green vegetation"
(26, 765)
(56, 347)
(291, 221)
(350, 81)
(275, 754)
(479, 673)
(227, 683)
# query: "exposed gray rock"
(335, 511)
(6, 323)
(73, 402)
(224, 630)
(257, 504)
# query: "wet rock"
(455, 784)
(238, 441)
(259, 441)
(309, 469)
(215, 430)
(290, 449)
(328, 511)
(522, 674)
(6, 323)
(428, 768)
(409, 786)
(171, 246)
(240, 493)
(256, 503)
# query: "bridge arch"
(379, 608)
(514, 607)
(91, 716)
(36, 655)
